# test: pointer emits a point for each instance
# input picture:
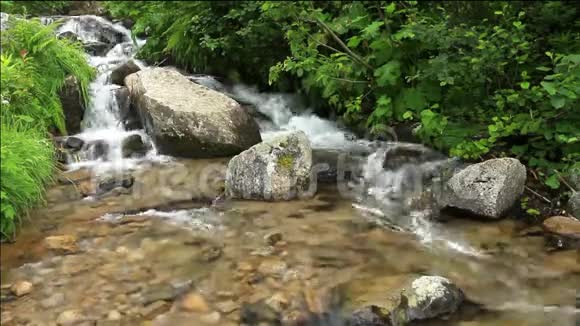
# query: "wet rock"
(114, 315)
(431, 296)
(73, 105)
(563, 226)
(272, 267)
(338, 165)
(227, 307)
(66, 244)
(125, 69)
(97, 48)
(70, 317)
(74, 143)
(133, 146)
(98, 149)
(276, 169)
(188, 120)
(108, 183)
(194, 302)
(278, 302)
(211, 253)
(161, 293)
(127, 112)
(212, 318)
(21, 288)
(574, 204)
(71, 36)
(273, 238)
(154, 309)
(399, 154)
(368, 316)
(89, 28)
(488, 189)
(259, 312)
(53, 301)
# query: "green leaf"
(558, 101)
(354, 41)
(549, 87)
(525, 85)
(388, 74)
(553, 181)
(391, 8)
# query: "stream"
(128, 257)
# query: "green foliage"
(35, 8)
(34, 65)
(26, 166)
(229, 38)
(480, 78)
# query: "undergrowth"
(34, 65)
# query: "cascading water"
(396, 197)
(102, 121)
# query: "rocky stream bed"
(152, 222)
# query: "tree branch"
(342, 45)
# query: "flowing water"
(357, 242)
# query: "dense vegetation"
(34, 65)
(35, 8)
(479, 78)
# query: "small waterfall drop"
(102, 122)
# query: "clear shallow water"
(133, 245)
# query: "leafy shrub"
(35, 8)
(34, 64)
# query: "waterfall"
(102, 120)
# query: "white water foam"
(102, 121)
(199, 219)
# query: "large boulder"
(72, 105)
(488, 189)
(276, 169)
(123, 70)
(189, 120)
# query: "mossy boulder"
(276, 169)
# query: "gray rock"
(74, 143)
(574, 204)
(110, 182)
(276, 169)
(367, 316)
(97, 48)
(399, 154)
(125, 69)
(53, 301)
(189, 120)
(97, 149)
(73, 105)
(127, 112)
(3, 21)
(133, 146)
(489, 188)
(431, 296)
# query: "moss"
(286, 161)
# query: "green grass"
(34, 65)
(27, 164)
